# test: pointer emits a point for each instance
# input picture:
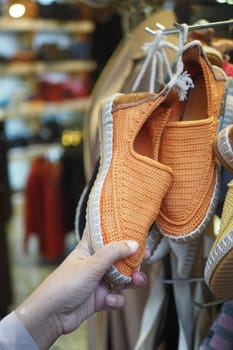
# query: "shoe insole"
(144, 142)
(148, 139)
(193, 108)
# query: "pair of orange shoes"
(157, 161)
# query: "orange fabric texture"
(188, 148)
(136, 182)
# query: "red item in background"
(51, 92)
(67, 89)
(76, 88)
(43, 208)
(228, 68)
(34, 222)
(54, 238)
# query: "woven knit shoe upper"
(187, 147)
(218, 269)
(131, 183)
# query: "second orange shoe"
(187, 147)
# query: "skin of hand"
(74, 291)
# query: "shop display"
(146, 155)
(36, 50)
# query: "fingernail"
(141, 279)
(133, 245)
(111, 300)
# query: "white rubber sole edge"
(215, 257)
(93, 207)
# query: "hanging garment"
(43, 211)
(72, 183)
(55, 234)
(5, 214)
(34, 210)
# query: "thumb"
(115, 251)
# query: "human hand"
(74, 291)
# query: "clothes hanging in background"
(51, 194)
(72, 183)
(43, 210)
(5, 213)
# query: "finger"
(113, 252)
(114, 301)
(139, 279)
(147, 254)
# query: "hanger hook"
(183, 33)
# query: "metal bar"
(192, 27)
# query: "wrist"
(39, 321)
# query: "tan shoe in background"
(219, 266)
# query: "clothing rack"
(179, 27)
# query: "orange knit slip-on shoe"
(187, 147)
(219, 265)
(130, 185)
(224, 147)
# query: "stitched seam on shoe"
(136, 103)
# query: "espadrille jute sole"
(219, 267)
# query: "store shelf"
(30, 24)
(36, 109)
(29, 69)
(36, 67)
(32, 151)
